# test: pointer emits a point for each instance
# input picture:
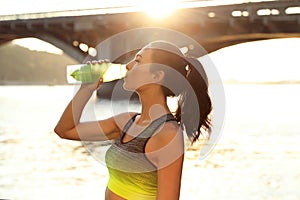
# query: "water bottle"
(86, 73)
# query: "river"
(257, 157)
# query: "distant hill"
(19, 65)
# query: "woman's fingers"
(94, 62)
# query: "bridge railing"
(213, 9)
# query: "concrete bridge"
(213, 27)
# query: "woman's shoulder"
(165, 146)
(169, 133)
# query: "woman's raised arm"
(70, 127)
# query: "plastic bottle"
(85, 73)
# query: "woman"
(145, 162)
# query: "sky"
(11, 7)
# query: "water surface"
(257, 157)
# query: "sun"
(159, 9)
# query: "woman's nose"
(129, 66)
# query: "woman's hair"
(189, 83)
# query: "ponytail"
(195, 105)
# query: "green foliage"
(21, 66)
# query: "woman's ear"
(158, 76)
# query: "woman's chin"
(127, 87)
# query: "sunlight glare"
(272, 60)
(172, 103)
(34, 44)
(158, 9)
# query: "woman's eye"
(136, 61)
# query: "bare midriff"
(109, 195)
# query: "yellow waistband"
(129, 191)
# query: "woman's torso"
(131, 172)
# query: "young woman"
(145, 161)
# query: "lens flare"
(159, 9)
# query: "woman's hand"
(94, 86)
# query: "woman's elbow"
(60, 133)
(67, 134)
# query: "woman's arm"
(169, 180)
(167, 153)
(70, 127)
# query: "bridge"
(214, 27)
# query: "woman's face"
(139, 75)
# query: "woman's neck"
(154, 105)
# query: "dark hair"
(194, 104)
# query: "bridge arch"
(217, 43)
(210, 45)
(65, 47)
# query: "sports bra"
(131, 174)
